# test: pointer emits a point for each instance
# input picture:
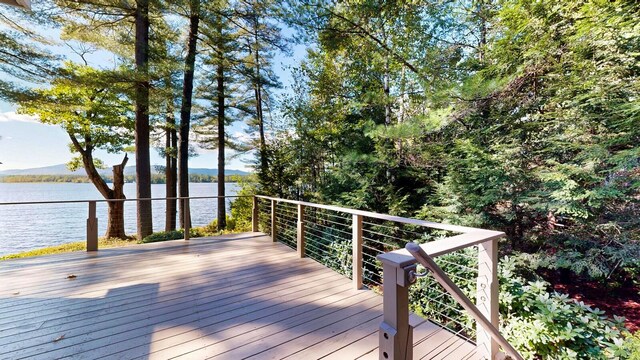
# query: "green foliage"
(242, 207)
(208, 230)
(339, 257)
(538, 322)
(530, 131)
(44, 178)
(24, 58)
(212, 228)
(632, 345)
(550, 325)
(329, 247)
(89, 105)
(164, 236)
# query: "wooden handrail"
(395, 333)
(425, 260)
(445, 246)
(425, 223)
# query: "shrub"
(607, 252)
(241, 207)
(632, 345)
(339, 257)
(164, 236)
(540, 323)
(211, 229)
(550, 325)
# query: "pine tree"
(221, 90)
(261, 38)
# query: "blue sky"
(26, 143)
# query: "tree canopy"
(516, 115)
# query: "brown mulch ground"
(622, 302)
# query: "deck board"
(230, 297)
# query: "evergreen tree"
(186, 105)
(87, 21)
(23, 58)
(261, 38)
(221, 90)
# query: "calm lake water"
(26, 227)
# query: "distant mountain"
(214, 172)
(47, 170)
(129, 170)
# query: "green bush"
(538, 322)
(211, 229)
(546, 324)
(632, 346)
(241, 207)
(339, 257)
(164, 236)
(608, 252)
(179, 234)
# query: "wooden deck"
(230, 297)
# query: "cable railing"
(458, 263)
(264, 215)
(97, 209)
(369, 247)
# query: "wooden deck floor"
(231, 297)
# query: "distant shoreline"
(78, 179)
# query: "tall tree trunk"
(115, 219)
(143, 162)
(481, 13)
(387, 92)
(170, 172)
(115, 222)
(222, 210)
(258, 95)
(185, 109)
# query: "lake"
(26, 227)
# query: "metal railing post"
(300, 238)
(273, 221)
(356, 252)
(487, 297)
(395, 333)
(255, 215)
(92, 228)
(483, 323)
(187, 218)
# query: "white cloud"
(12, 116)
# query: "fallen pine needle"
(59, 338)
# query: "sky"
(25, 143)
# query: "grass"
(103, 243)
